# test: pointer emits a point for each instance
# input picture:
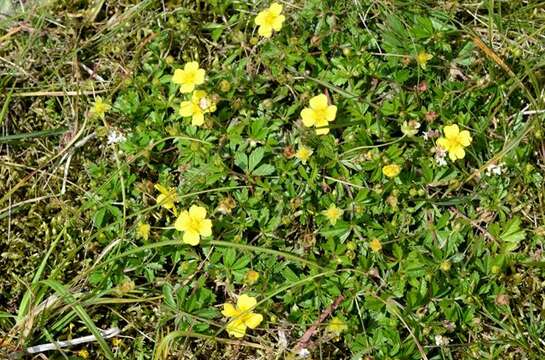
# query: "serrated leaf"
(263, 170)
(241, 160)
(255, 158)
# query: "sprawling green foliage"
(443, 260)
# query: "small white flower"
(494, 169)
(115, 137)
(430, 134)
(204, 103)
(303, 353)
(440, 155)
(441, 340)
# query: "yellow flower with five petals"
(194, 224)
(167, 197)
(319, 114)
(199, 105)
(270, 19)
(454, 141)
(243, 316)
(189, 77)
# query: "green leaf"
(255, 158)
(512, 234)
(241, 160)
(263, 170)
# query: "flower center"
(269, 18)
(321, 114)
(194, 224)
(190, 77)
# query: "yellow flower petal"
(276, 8)
(451, 131)
(197, 96)
(443, 143)
(191, 237)
(457, 153)
(191, 66)
(183, 222)
(265, 31)
(277, 22)
(197, 119)
(260, 18)
(253, 320)
(178, 77)
(199, 76)
(186, 108)
(205, 227)
(229, 310)
(197, 212)
(465, 138)
(331, 112)
(163, 190)
(245, 302)
(321, 126)
(308, 116)
(187, 88)
(236, 328)
(322, 131)
(318, 102)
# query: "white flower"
(441, 340)
(494, 169)
(115, 137)
(440, 155)
(303, 353)
(410, 128)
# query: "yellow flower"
(194, 224)
(270, 19)
(251, 277)
(84, 354)
(391, 170)
(454, 141)
(100, 108)
(336, 326)
(319, 114)
(167, 197)
(333, 214)
(304, 153)
(142, 230)
(225, 86)
(375, 245)
(422, 59)
(189, 77)
(117, 342)
(446, 265)
(242, 315)
(199, 105)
